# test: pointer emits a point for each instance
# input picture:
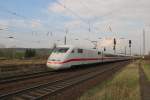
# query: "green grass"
(124, 86)
(146, 67)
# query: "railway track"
(50, 88)
(25, 77)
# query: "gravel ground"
(72, 92)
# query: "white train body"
(66, 56)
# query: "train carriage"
(66, 56)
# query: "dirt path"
(144, 84)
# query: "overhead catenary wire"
(33, 33)
(71, 11)
(58, 2)
(67, 8)
(12, 12)
(13, 37)
(25, 17)
(75, 14)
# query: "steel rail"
(52, 87)
(25, 76)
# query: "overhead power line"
(12, 12)
(25, 17)
(71, 11)
(75, 14)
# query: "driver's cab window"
(72, 51)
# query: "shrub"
(29, 53)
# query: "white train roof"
(73, 46)
(69, 46)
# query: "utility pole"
(143, 42)
(125, 50)
(140, 51)
(124, 46)
(65, 38)
(89, 27)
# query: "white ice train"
(66, 56)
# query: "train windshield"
(60, 50)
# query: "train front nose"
(54, 65)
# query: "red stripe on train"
(72, 60)
(78, 59)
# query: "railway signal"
(104, 49)
(130, 42)
(114, 47)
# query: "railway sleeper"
(26, 97)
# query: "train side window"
(72, 51)
(99, 53)
(80, 50)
